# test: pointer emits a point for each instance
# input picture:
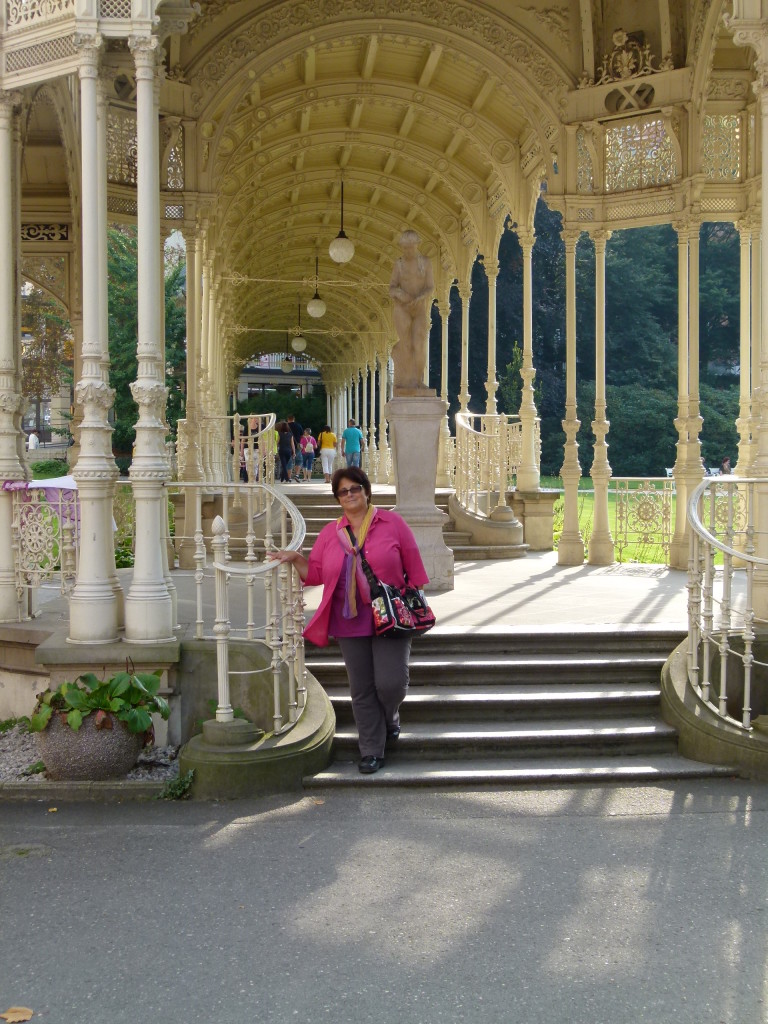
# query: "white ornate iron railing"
(643, 515)
(284, 613)
(488, 452)
(45, 539)
(722, 622)
(229, 444)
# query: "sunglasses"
(345, 492)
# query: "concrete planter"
(90, 753)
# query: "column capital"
(89, 47)
(570, 237)
(491, 268)
(526, 240)
(684, 229)
(600, 237)
(144, 50)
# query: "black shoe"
(369, 765)
(393, 734)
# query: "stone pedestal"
(414, 430)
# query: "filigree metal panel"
(585, 175)
(721, 147)
(122, 146)
(643, 517)
(175, 165)
(44, 537)
(41, 53)
(115, 8)
(638, 154)
(21, 13)
(45, 232)
(174, 211)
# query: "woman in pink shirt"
(377, 667)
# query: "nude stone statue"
(411, 288)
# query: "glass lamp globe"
(298, 344)
(287, 365)
(341, 249)
(316, 307)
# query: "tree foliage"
(122, 256)
(47, 344)
(641, 328)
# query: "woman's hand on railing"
(295, 558)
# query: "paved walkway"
(605, 905)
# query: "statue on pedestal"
(411, 288)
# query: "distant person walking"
(326, 443)
(725, 466)
(33, 441)
(294, 470)
(352, 442)
(308, 445)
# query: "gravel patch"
(18, 752)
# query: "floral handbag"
(397, 612)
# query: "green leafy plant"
(132, 697)
(34, 769)
(177, 789)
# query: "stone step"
(566, 737)
(604, 645)
(501, 703)
(503, 772)
(522, 669)
(484, 552)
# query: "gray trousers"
(377, 669)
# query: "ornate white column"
(444, 308)
(679, 549)
(102, 119)
(755, 339)
(528, 475)
(204, 392)
(695, 422)
(364, 399)
(744, 458)
(570, 550)
(93, 604)
(601, 550)
(491, 383)
(382, 474)
(465, 294)
(148, 605)
(10, 368)
(190, 465)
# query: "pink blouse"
(390, 549)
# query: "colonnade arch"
(444, 120)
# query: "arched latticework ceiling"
(430, 127)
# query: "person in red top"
(377, 667)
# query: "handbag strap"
(373, 581)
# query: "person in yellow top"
(326, 445)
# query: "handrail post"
(221, 628)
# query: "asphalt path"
(587, 905)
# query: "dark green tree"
(122, 256)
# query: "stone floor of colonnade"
(534, 591)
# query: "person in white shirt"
(33, 441)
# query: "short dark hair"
(353, 473)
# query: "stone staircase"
(501, 710)
(319, 508)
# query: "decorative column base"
(414, 424)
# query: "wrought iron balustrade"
(726, 635)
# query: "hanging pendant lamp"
(316, 307)
(341, 249)
(299, 343)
